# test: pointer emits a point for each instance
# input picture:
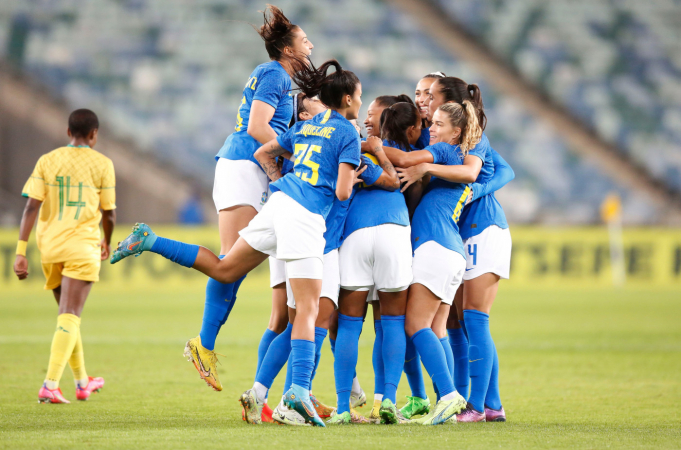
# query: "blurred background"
(583, 98)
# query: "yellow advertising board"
(542, 257)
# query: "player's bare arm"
(27, 221)
(267, 157)
(388, 179)
(108, 223)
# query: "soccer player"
(422, 99)
(304, 108)
(439, 261)
(377, 252)
(66, 190)
(241, 187)
(487, 241)
(291, 225)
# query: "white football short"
(239, 182)
(330, 281)
(277, 272)
(286, 230)
(377, 256)
(439, 269)
(488, 252)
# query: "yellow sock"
(77, 362)
(63, 342)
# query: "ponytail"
(456, 90)
(465, 117)
(396, 120)
(331, 88)
(277, 31)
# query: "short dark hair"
(82, 122)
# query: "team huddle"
(404, 220)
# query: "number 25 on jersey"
(303, 154)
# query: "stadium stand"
(169, 74)
(615, 65)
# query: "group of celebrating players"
(405, 220)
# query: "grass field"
(579, 368)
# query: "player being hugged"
(377, 252)
(68, 187)
(290, 227)
(439, 262)
(241, 186)
(487, 241)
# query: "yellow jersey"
(72, 182)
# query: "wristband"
(21, 248)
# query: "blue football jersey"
(424, 139)
(372, 206)
(437, 215)
(485, 211)
(318, 145)
(271, 84)
(335, 221)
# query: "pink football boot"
(495, 415)
(93, 385)
(470, 415)
(46, 395)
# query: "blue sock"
(349, 329)
(332, 343)
(176, 251)
(394, 349)
(275, 358)
(377, 359)
(463, 327)
(492, 399)
(459, 344)
(219, 303)
(448, 355)
(302, 356)
(480, 356)
(265, 341)
(319, 336)
(433, 357)
(412, 368)
(289, 374)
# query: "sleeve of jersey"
(350, 150)
(270, 88)
(372, 172)
(439, 153)
(107, 195)
(35, 186)
(481, 149)
(503, 174)
(285, 140)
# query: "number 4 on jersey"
(303, 153)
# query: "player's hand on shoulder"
(106, 250)
(21, 267)
(372, 145)
(360, 170)
(410, 175)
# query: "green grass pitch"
(588, 368)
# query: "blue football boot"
(140, 240)
(299, 399)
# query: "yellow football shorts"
(84, 269)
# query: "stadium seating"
(169, 73)
(616, 65)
